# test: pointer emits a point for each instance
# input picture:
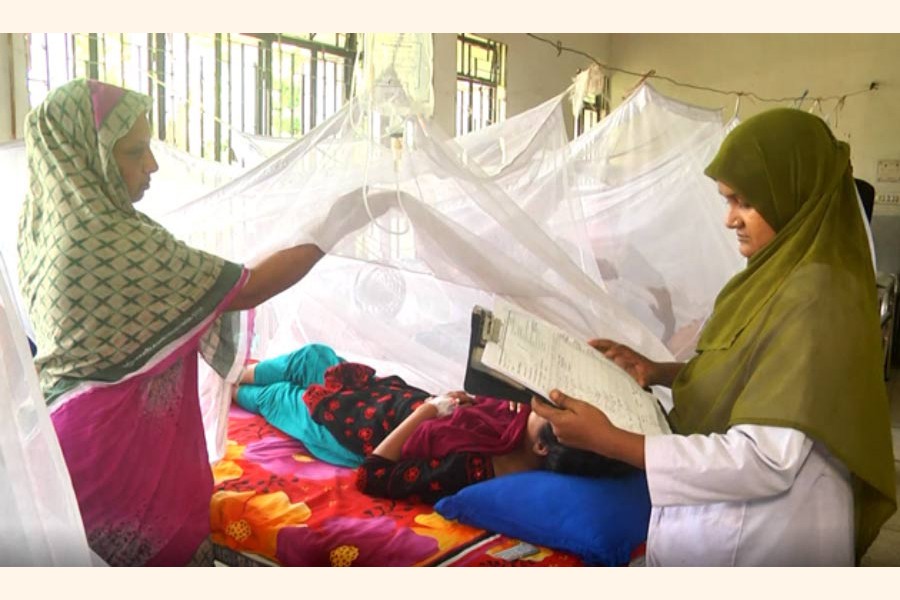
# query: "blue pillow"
(601, 520)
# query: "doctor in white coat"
(782, 451)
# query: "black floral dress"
(360, 410)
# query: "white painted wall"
(534, 72)
(13, 92)
(779, 65)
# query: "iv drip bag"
(397, 71)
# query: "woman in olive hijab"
(782, 452)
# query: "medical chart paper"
(542, 357)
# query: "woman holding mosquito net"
(120, 308)
(782, 451)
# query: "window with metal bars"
(480, 82)
(593, 108)
(207, 86)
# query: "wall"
(779, 65)
(534, 72)
(13, 92)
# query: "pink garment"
(487, 426)
(103, 98)
(136, 452)
(137, 502)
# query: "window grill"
(206, 86)
(480, 83)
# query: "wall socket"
(888, 170)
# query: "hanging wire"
(560, 48)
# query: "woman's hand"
(350, 213)
(578, 424)
(641, 368)
(274, 274)
(575, 423)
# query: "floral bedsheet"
(273, 499)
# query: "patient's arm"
(391, 447)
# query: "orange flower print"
(448, 534)
(249, 521)
(226, 469)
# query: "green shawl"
(794, 339)
(107, 288)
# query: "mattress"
(275, 504)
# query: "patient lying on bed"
(403, 440)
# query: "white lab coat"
(756, 495)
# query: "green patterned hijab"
(794, 339)
(107, 287)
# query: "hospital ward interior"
(449, 299)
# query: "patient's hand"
(446, 404)
(461, 397)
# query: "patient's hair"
(573, 461)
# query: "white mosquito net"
(398, 291)
(14, 175)
(251, 150)
(655, 221)
(617, 234)
(527, 156)
(40, 523)
(634, 186)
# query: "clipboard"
(482, 380)
(512, 356)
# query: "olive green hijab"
(794, 339)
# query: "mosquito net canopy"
(40, 524)
(654, 220)
(428, 236)
(632, 190)
(616, 234)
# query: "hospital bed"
(274, 504)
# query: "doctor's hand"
(578, 424)
(642, 369)
(575, 423)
